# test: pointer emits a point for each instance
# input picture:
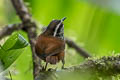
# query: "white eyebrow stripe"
(57, 29)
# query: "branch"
(7, 30)
(81, 51)
(103, 67)
(29, 27)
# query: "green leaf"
(16, 41)
(12, 49)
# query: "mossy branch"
(102, 67)
(106, 66)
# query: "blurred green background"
(93, 24)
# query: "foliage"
(12, 49)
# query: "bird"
(50, 44)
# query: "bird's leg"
(63, 63)
(45, 67)
(47, 61)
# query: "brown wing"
(49, 46)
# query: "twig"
(81, 51)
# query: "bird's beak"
(63, 19)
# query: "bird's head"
(55, 27)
